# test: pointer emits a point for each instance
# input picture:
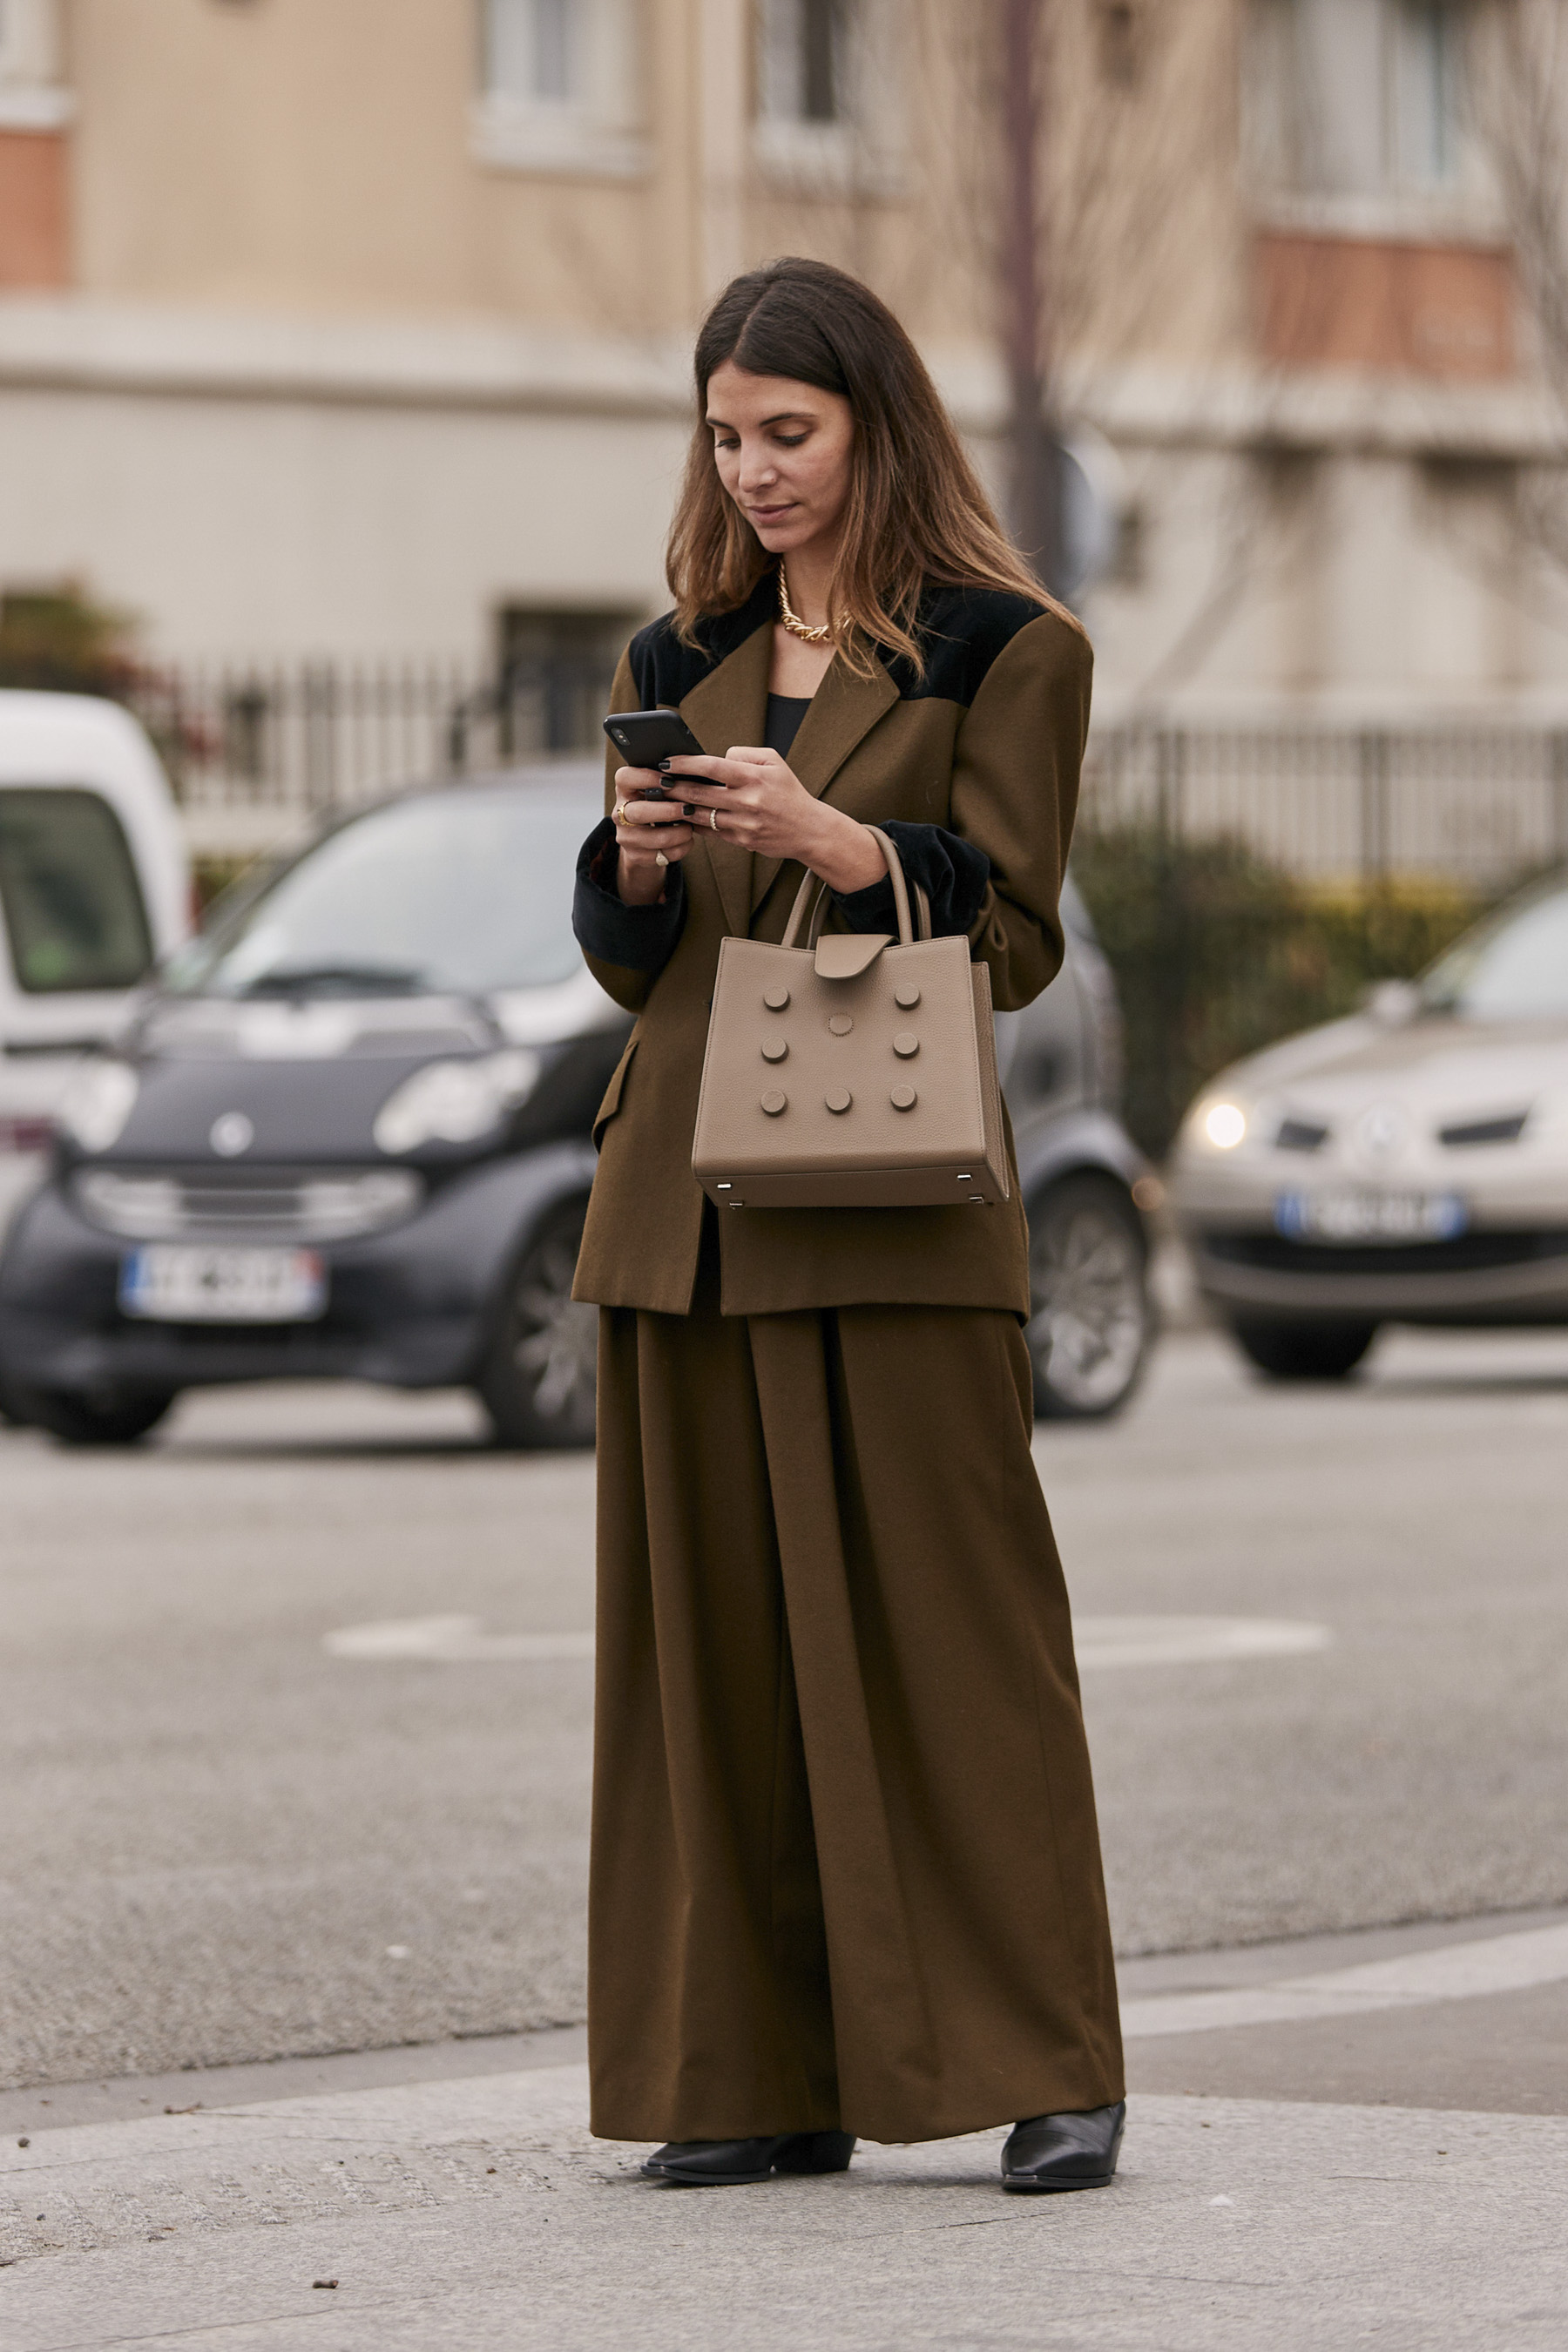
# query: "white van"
(95, 890)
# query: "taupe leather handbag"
(854, 1071)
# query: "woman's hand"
(754, 799)
(639, 877)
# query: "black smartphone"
(644, 737)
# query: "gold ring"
(659, 858)
(620, 812)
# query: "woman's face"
(782, 450)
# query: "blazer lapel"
(729, 706)
(843, 710)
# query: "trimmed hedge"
(1217, 952)
(213, 875)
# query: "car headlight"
(1216, 1122)
(456, 1102)
(97, 1102)
(1547, 1123)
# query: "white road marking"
(452, 1640)
(1191, 1641)
(1101, 1640)
(1535, 1955)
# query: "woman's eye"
(789, 440)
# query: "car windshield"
(1514, 967)
(72, 905)
(462, 892)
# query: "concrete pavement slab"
(479, 2214)
(1491, 1964)
(1508, 2055)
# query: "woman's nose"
(757, 469)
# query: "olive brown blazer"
(985, 745)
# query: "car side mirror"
(1393, 1003)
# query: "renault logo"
(231, 1134)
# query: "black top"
(785, 713)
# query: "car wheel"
(539, 1381)
(113, 1418)
(1091, 1324)
(1304, 1351)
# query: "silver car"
(1409, 1165)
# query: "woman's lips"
(770, 514)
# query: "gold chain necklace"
(792, 622)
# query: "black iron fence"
(1475, 803)
(253, 751)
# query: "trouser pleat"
(845, 1869)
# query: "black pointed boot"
(1066, 2151)
(734, 2163)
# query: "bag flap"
(845, 955)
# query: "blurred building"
(356, 329)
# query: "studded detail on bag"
(850, 1019)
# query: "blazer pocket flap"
(612, 1093)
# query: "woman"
(846, 1873)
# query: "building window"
(803, 60)
(559, 87)
(827, 94)
(535, 52)
(1362, 100)
(1428, 95)
(31, 96)
(556, 670)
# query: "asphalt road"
(227, 1842)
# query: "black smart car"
(348, 1138)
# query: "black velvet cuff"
(953, 873)
(639, 939)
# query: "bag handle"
(813, 893)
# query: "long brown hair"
(916, 512)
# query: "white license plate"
(174, 1283)
(1370, 1216)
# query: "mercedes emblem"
(231, 1134)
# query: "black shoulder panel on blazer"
(962, 631)
(665, 671)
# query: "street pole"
(723, 114)
(1034, 473)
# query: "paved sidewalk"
(478, 2213)
(451, 2196)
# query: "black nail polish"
(663, 767)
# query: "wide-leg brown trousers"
(846, 1869)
